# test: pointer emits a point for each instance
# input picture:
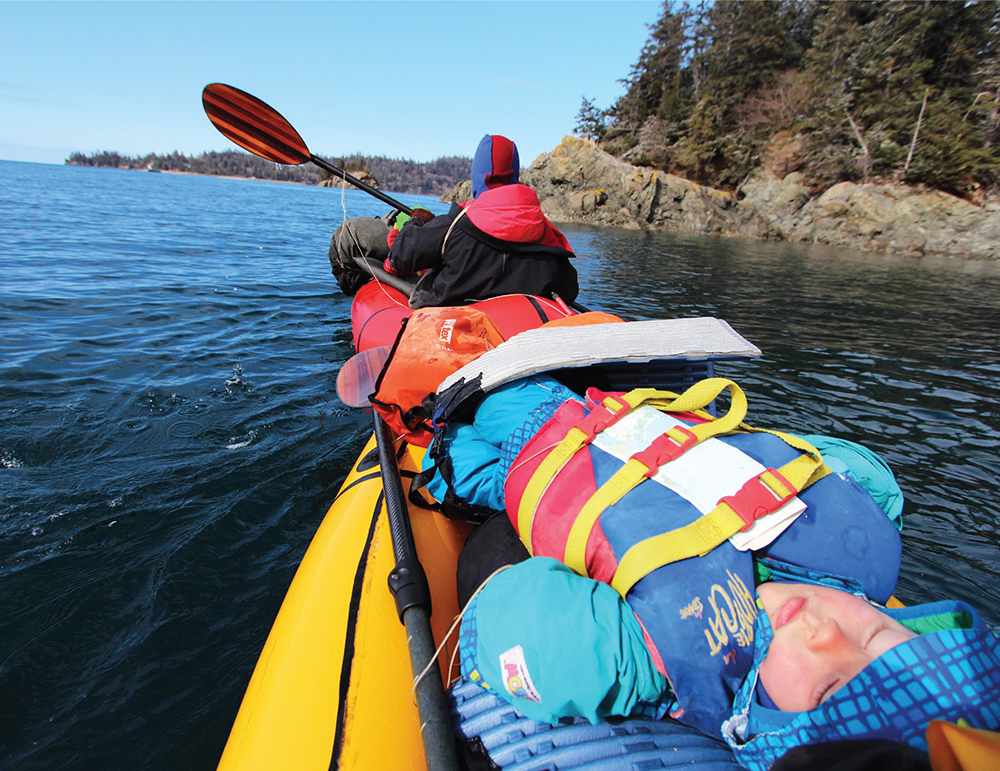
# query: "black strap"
(452, 506)
(538, 309)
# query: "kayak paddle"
(359, 374)
(256, 126)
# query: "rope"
(447, 636)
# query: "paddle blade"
(356, 379)
(253, 124)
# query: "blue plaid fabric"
(521, 435)
(948, 675)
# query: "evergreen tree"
(659, 83)
(590, 121)
(751, 45)
(873, 65)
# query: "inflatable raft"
(333, 685)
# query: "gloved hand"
(423, 215)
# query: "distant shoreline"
(223, 176)
(433, 178)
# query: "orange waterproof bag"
(433, 343)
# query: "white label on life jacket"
(704, 474)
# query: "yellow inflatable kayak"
(332, 689)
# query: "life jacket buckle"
(665, 448)
(763, 494)
(602, 416)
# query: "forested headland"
(392, 174)
(895, 90)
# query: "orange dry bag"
(433, 343)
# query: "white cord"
(455, 623)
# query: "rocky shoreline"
(578, 182)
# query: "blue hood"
(496, 163)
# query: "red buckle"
(600, 418)
(756, 498)
(664, 449)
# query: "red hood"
(512, 213)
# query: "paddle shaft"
(408, 584)
(324, 164)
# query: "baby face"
(822, 638)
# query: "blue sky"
(416, 80)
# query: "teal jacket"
(556, 644)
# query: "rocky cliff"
(578, 182)
(885, 217)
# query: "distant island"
(394, 174)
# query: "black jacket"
(476, 264)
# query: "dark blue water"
(170, 437)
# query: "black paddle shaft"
(408, 584)
(407, 581)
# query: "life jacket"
(950, 672)
(630, 488)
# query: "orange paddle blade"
(253, 125)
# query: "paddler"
(499, 243)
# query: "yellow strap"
(693, 540)
(634, 471)
(805, 470)
(721, 523)
(540, 480)
(555, 461)
(608, 494)
(695, 398)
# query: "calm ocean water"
(170, 436)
